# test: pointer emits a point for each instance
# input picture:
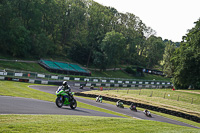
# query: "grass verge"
(80, 124)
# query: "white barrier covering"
(44, 82)
(31, 81)
(3, 73)
(140, 82)
(103, 81)
(54, 77)
(134, 82)
(107, 85)
(77, 84)
(146, 82)
(124, 85)
(19, 74)
(152, 83)
(66, 78)
(77, 79)
(127, 82)
(112, 81)
(163, 83)
(88, 84)
(98, 84)
(95, 80)
(86, 79)
(132, 85)
(119, 81)
(2, 77)
(158, 83)
(41, 75)
(140, 86)
(116, 85)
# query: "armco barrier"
(97, 81)
(150, 107)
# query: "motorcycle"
(147, 113)
(99, 99)
(81, 87)
(120, 104)
(133, 108)
(63, 99)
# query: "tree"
(154, 51)
(168, 68)
(186, 60)
(113, 45)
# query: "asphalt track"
(16, 105)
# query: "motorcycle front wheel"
(59, 102)
(73, 104)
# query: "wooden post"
(164, 95)
(151, 94)
(178, 98)
(192, 101)
(127, 91)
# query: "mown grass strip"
(82, 124)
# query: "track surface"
(16, 105)
(126, 111)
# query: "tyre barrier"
(150, 107)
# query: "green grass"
(80, 124)
(33, 67)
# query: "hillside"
(35, 67)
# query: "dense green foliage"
(94, 35)
(186, 60)
(81, 30)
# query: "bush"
(130, 70)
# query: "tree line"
(82, 30)
(94, 35)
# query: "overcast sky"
(169, 18)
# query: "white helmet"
(64, 83)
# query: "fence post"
(192, 101)
(127, 91)
(164, 95)
(178, 98)
(151, 94)
(140, 91)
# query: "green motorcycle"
(64, 99)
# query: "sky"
(171, 19)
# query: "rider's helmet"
(64, 83)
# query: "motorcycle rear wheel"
(59, 102)
(73, 104)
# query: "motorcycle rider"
(98, 98)
(67, 89)
(146, 111)
(119, 103)
(133, 106)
